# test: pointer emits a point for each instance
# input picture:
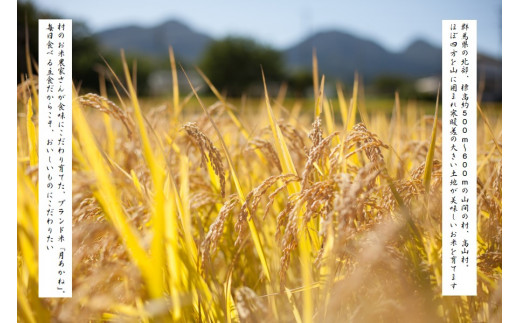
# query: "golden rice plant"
(204, 212)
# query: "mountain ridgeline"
(339, 54)
(154, 41)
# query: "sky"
(282, 23)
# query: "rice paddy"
(202, 210)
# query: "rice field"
(202, 210)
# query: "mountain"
(187, 43)
(341, 54)
(420, 50)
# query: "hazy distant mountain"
(341, 54)
(420, 51)
(187, 43)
